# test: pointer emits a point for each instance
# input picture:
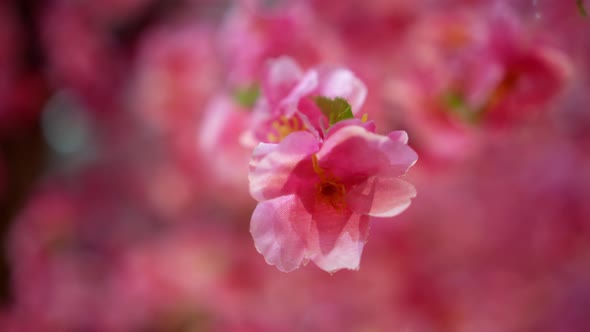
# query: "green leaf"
(247, 96)
(582, 8)
(336, 109)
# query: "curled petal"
(381, 196)
(281, 76)
(368, 125)
(399, 135)
(307, 84)
(279, 228)
(272, 165)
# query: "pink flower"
(287, 99)
(471, 74)
(219, 142)
(251, 34)
(316, 198)
(176, 73)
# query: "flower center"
(329, 190)
(283, 127)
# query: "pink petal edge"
(271, 165)
(381, 196)
(279, 228)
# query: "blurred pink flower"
(520, 74)
(316, 198)
(218, 140)
(469, 74)
(176, 72)
(252, 33)
(287, 105)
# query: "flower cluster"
(322, 174)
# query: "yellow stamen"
(273, 138)
(316, 167)
(283, 127)
(365, 117)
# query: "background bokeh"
(124, 200)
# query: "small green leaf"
(247, 96)
(336, 109)
(582, 8)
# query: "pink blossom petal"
(314, 118)
(381, 196)
(279, 228)
(223, 124)
(289, 105)
(399, 135)
(337, 240)
(306, 85)
(368, 125)
(282, 75)
(272, 165)
(373, 154)
(339, 82)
